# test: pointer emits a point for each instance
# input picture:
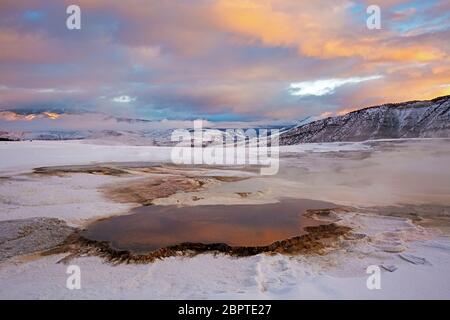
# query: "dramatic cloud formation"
(221, 60)
(123, 99)
(323, 87)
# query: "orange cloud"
(409, 85)
(13, 116)
(213, 56)
(321, 29)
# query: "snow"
(25, 155)
(340, 274)
(75, 199)
(407, 120)
(221, 277)
(327, 147)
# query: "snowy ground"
(340, 275)
(20, 156)
(411, 173)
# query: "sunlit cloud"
(326, 114)
(123, 99)
(324, 87)
(223, 60)
(51, 115)
(13, 116)
(39, 90)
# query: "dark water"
(153, 227)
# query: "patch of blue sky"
(154, 113)
(33, 15)
(358, 12)
(419, 5)
(420, 19)
(226, 117)
(422, 24)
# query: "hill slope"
(413, 119)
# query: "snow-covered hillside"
(414, 119)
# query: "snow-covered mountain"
(413, 119)
(17, 125)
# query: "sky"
(220, 60)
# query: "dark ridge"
(412, 119)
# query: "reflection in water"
(153, 227)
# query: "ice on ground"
(75, 198)
(222, 277)
(25, 155)
(363, 175)
(327, 147)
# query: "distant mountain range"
(140, 137)
(413, 119)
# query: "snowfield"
(221, 277)
(25, 155)
(339, 172)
